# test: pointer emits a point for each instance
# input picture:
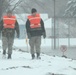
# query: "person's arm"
(17, 29)
(1, 25)
(43, 29)
(28, 28)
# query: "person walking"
(35, 29)
(8, 26)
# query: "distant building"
(48, 26)
(21, 18)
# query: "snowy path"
(21, 64)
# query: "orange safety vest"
(9, 22)
(35, 21)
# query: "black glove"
(18, 36)
(44, 35)
(29, 35)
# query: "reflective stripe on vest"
(35, 21)
(9, 22)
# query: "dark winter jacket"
(35, 32)
(7, 32)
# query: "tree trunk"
(1, 8)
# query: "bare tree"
(1, 8)
(24, 6)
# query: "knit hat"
(9, 11)
(33, 10)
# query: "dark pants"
(7, 42)
(35, 44)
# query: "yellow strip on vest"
(34, 18)
(10, 24)
(9, 19)
(32, 24)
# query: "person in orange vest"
(8, 26)
(35, 29)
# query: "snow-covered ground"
(18, 43)
(21, 63)
(47, 42)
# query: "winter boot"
(9, 56)
(38, 56)
(4, 54)
(33, 56)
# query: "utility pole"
(69, 35)
(54, 26)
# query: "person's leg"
(31, 43)
(10, 44)
(38, 45)
(4, 44)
